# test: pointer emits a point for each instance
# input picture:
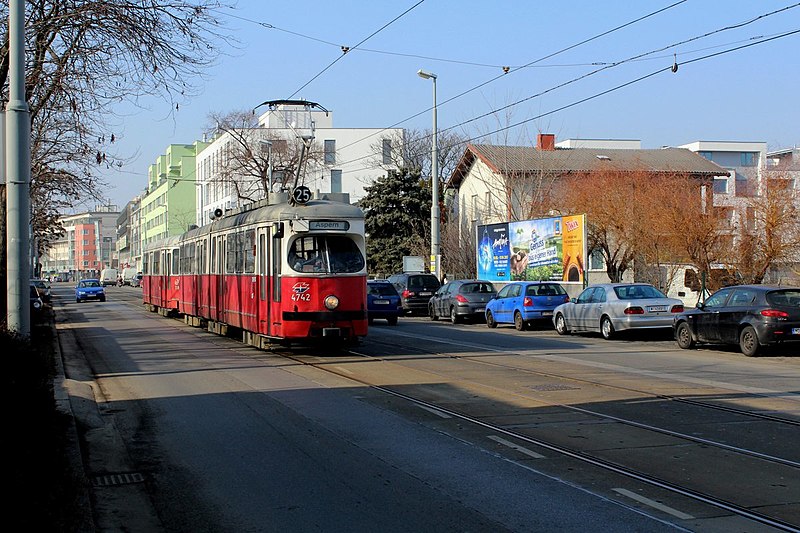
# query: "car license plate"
(656, 308)
(547, 313)
(795, 331)
(480, 309)
(425, 294)
(380, 302)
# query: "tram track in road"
(335, 367)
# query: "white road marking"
(517, 447)
(434, 411)
(654, 504)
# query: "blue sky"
(748, 94)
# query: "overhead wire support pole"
(18, 177)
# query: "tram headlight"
(331, 302)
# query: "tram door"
(263, 306)
(219, 290)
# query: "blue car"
(383, 302)
(522, 302)
(89, 289)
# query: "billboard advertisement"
(543, 249)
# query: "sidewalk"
(115, 496)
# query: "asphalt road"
(187, 431)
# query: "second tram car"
(281, 273)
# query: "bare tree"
(770, 232)
(245, 165)
(82, 58)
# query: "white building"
(343, 159)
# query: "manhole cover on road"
(547, 387)
(111, 480)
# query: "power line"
(346, 49)
(612, 89)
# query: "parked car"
(109, 276)
(461, 299)
(523, 302)
(752, 316)
(383, 302)
(415, 290)
(36, 301)
(136, 281)
(612, 307)
(89, 289)
(44, 289)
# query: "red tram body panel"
(279, 272)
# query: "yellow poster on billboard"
(573, 247)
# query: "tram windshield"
(332, 254)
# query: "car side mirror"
(700, 305)
(573, 300)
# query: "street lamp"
(434, 181)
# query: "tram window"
(250, 251)
(146, 264)
(191, 261)
(156, 263)
(325, 253)
(213, 256)
(230, 256)
(176, 257)
(240, 252)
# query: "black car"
(383, 302)
(461, 299)
(415, 289)
(752, 316)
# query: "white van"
(128, 274)
(108, 276)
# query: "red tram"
(281, 273)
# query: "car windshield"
(381, 289)
(477, 288)
(638, 292)
(89, 284)
(423, 282)
(545, 289)
(330, 254)
(784, 298)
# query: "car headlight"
(37, 304)
(331, 302)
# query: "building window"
(330, 151)
(387, 151)
(748, 159)
(721, 185)
(707, 155)
(596, 260)
(336, 181)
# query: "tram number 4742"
(300, 292)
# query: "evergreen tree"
(397, 211)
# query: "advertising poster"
(572, 246)
(493, 252)
(530, 250)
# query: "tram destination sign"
(329, 225)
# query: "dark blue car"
(522, 302)
(383, 302)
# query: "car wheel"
(77, 300)
(519, 324)
(490, 322)
(748, 341)
(561, 325)
(453, 316)
(683, 335)
(392, 320)
(606, 328)
(102, 298)
(432, 313)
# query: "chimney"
(546, 141)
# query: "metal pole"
(18, 176)
(435, 189)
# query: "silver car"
(612, 307)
